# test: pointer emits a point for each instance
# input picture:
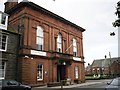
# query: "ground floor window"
(76, 72)
(39, 72)
(2, 70)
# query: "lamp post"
(118, 68)
(104, 66)
(102, 71)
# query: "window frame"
(59, 42)
(38, 73)
(75, 52)
(2, 19)
(76, 72)
(1, 41)
(3, 70)
(3, 26)
(40, 38)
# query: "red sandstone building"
(104, 67)
(51, 47)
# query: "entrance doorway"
(61, 72)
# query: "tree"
(117, 22)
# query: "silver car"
(13, 85)
(114, 84)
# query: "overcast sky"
(96, 16)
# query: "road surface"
(89, 85)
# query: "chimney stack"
(10, 4)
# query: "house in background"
(51, 47)
(88, 70)
(105, 67)
(8, 49)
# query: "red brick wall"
(51, 29)
(51, 26)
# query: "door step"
(53, 84)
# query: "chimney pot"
(10, 4)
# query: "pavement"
(88, 82)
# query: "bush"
(92, 78)
(97, 78)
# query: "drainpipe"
(17, 56)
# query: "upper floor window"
(59, 43)
(3, 42)
(3, 20)
(74, 47)
(39, 38)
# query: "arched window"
(74, 47)
(59, 43)
(39, 38)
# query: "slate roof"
(104, 62)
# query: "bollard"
(61, 84)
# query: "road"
(98, 86)
(89, 85)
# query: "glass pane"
(39, 71)
(0, 43)
(3, 19)
(3, 46)
(4, 38)
(59, 45)
(76, 72)
(74, 45)
(39, 31)
(59, 39)
(39, 38)
(2, 69)
(74, 42)
(0, 37)
(39, 47)
(13, 83)
(0, 46)
(115, 82)
(74, 49)
(39, 41)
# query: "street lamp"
(105, 57)
(112, 33)
(102, 71)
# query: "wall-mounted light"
(112, 33)
(26, 56)
(31, 58)
(64, 63)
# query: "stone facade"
(49, 64)
(10, 55)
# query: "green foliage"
(117, 22)
(91, 78)
(96, 78)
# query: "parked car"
(114, 84)
(13, 85)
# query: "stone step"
(53, 84)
